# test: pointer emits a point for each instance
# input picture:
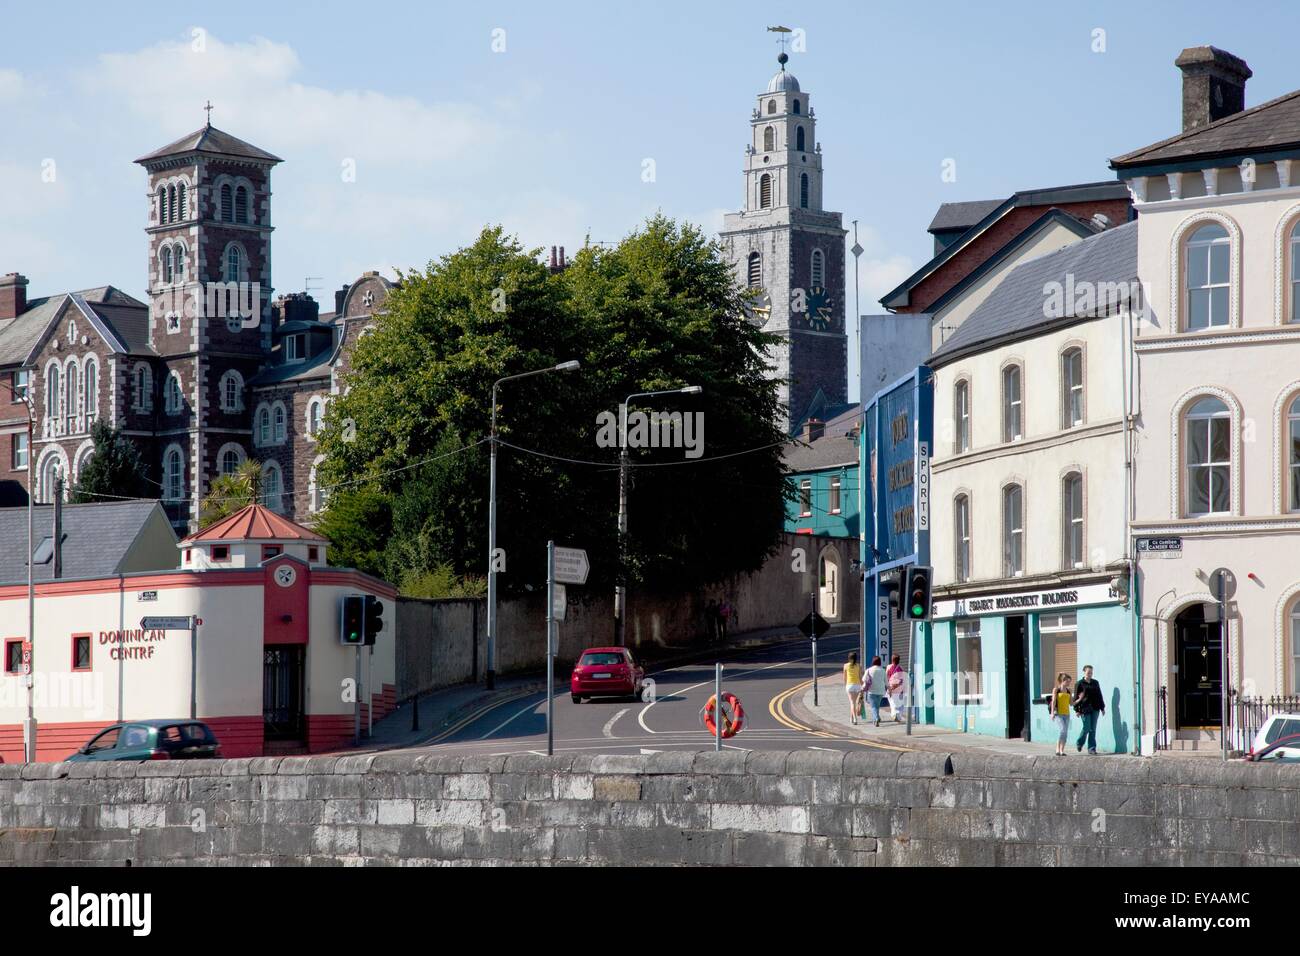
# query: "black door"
(1017, 726)
(282, 696)
(1198, 651)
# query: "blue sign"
(896, 455)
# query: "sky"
(407, 127)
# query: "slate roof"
(209, 139)
(825, 452)
(124, 321)
(1274, 125)
(315, 367)
(19, 336)
(1015, 309)
(254, 522)
(962, 215)
(98, 538)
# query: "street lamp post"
(29, 725)
(620, 589)
(492, 519)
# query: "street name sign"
(166, 623)
(1163, 547)
(571, 566)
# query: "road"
(763, 679)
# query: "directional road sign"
(571, 566)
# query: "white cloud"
(12, 85)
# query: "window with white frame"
(1209, 254)
(1058, 649)
(317, 496)
(293, 348)
(961, 534)
(230, 460)
(173, 395)
(1292, 453)
(143, 388)
(970, 661)
(264, 425)
(272, 487)
(167, 265)
(53, 392)
(1013, 531)
(805, 498)
(315, 409)
(834, 507)
(1208, 456)
(182, 207)
(234, 265)
(178, 263)
(1294, 648)
(232, 391)
(22, 381)
(278, 417)
(51, 472)
(20, 451)
(1294, 258)
(961, 416)
(1072, 387)
(1012, 405)
(91, 390)
(1072, 520)
(72, 407)
(173, 475)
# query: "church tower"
(209, 241)
(784, 244)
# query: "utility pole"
(29, 725)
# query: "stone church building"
(211, 371)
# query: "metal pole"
(550, 649)
(857, 311)
(356, 704)
(370, 708)
(911, 666)
(813, 620)
(194, 668)
(620, 590)
(492, 553)
(1223, 664)
(29, 725)
(717, 706)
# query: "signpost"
(571, 565)
(563, 566)
(181, 624)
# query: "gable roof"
(20, 337)
(824, 452)
(98, 538)
(962, 215)
(254, 523)
(1016, 308)
(120, 320)
(1271, 126)
(210, 140)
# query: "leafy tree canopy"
(114, 469)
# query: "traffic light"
(352, 620)
(889, 591)
(918, 593)
(374, 618)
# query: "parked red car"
(606, 672)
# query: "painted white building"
(1217, 367)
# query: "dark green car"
(152, 740)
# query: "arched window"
(51, 472)
(279, 423)
(1012, 410)
(961, 417)
(173, 396)
(798, 139)
(72, 407)
(167, 265)
(1071, 387)
(91, 390)
(143, 388)
(230, 460)
(1293, 454)
(173, 475)
(178, 263)
(803, 190)
(53, 392)
(765, 191)
(241, 204)
(961, 537)
(795, 106)
(264, 426)
(755, 270)
(232, 390)
(227, 203)
(181, 208)
(1294, 258)
(771, 106)
(317, 497)
(1208, 276)
(769, 139)
(818, 269)
(171, 204)
(1072, 520)
(1208, 452)
(162, 204)
(234, 263)
(272, 487)
(1294, 648)
(1013, 531)
(314, 410)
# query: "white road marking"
(527, 708)
(829, 749)
(644, 751)
(608, 729)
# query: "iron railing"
(1250, 713)
(1162, 720)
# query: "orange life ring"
(732, 723)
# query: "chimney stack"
(1214, 85)
(13, 295)
(554, 262)
(563, 263)
(339, 296)
(813, 429)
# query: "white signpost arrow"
(571, 566)
(182, 624)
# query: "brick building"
(211, 371)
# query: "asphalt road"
(762, 678)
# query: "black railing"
(1162, 720)
(1250, 713)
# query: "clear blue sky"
(548, 137)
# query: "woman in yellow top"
(853, 685)
(1059, 703)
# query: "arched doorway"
(1198, 682)
(828, 585)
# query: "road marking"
(608, 729)
(827, 749)
(530, 706)
(644, 751)
(776, 707)
(473, 716)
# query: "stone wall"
(867, 808)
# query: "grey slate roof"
(98, 538)
(1273, 125)
(124, 321)
(318, 366)
(1016, 308)
(19, 337)
(962, 215)
(209, 139)
(825, 452)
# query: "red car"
(606, 672)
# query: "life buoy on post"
(733, 715)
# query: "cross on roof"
(208, 109)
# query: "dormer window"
(293, 349)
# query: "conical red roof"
(255, 522)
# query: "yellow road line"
(776, 707)
(473, 716)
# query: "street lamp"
(29, 725)
(492, 519)
(620, 589)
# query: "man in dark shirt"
(1090, 705)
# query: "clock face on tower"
(759, 308)
(820, 306)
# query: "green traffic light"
(917, 610)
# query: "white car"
(1275, 728)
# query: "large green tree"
(660, 310)
(114, 469)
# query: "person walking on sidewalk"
(896, 686)
(1090, 704)
(853, 685)
(1059, 703)
(876, 687)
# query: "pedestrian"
(724, 618)
(1090, 705)
(711, 620)
(1058, 703)
(853, 685)
(876, 687)
(896, 687)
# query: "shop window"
(81, 652)
(220, 552)
(970, 661)
(1058, 649)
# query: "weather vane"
(782, 31)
